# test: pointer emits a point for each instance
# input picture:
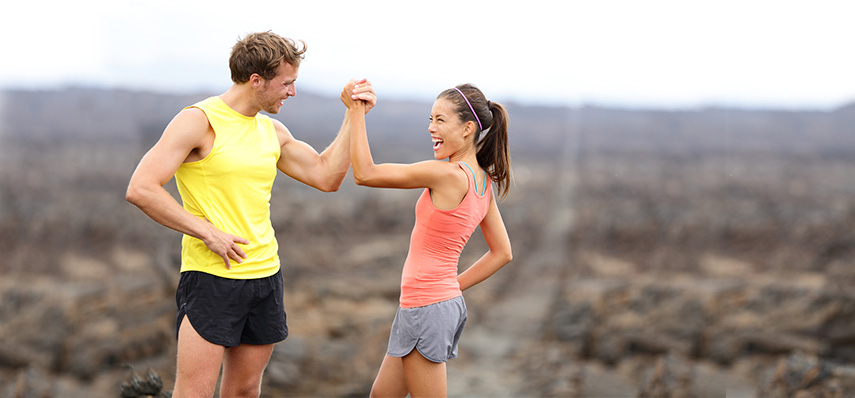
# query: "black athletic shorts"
(231, 312)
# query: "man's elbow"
(329, 188)
(138, 194)
(133, 194)
(330, 185)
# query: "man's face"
(273, 93)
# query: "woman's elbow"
(359, 180)
(506, 252)
(364, 173)
(502, 255)
(508, 255)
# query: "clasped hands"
(359, 92)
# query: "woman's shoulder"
(453, 168)
(440, 167)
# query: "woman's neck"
(467, 156)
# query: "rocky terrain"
(656, 254)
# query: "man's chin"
(273, 109)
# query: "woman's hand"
(364, 91)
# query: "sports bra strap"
(475, 181)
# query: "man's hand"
(347, 97)
(225, 245)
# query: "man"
(224, 156)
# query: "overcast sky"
(651, 53)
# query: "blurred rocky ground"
(638, 272)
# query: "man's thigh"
(242, 369)
(198, 363)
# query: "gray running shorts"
(434, 330)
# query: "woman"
(472, 133)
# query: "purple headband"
(470, 108)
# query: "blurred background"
(682, 210)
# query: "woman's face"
(446, 129)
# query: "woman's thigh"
(390, 381)
(425, 378)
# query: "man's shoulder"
(210, 102)
(280, 128)
(192, 116)
(191, 124)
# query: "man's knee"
(189, 387)
(245, 390)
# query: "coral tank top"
(438, 238)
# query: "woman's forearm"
(360, 152)
(485, 267)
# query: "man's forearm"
(336, 157)
(161, 207)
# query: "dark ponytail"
(492, 149)
(493, 153)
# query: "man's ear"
(255, 80)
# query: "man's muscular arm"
(324, 171)
(187, 132)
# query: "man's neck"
(239, 97)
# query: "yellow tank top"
(231, 188)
